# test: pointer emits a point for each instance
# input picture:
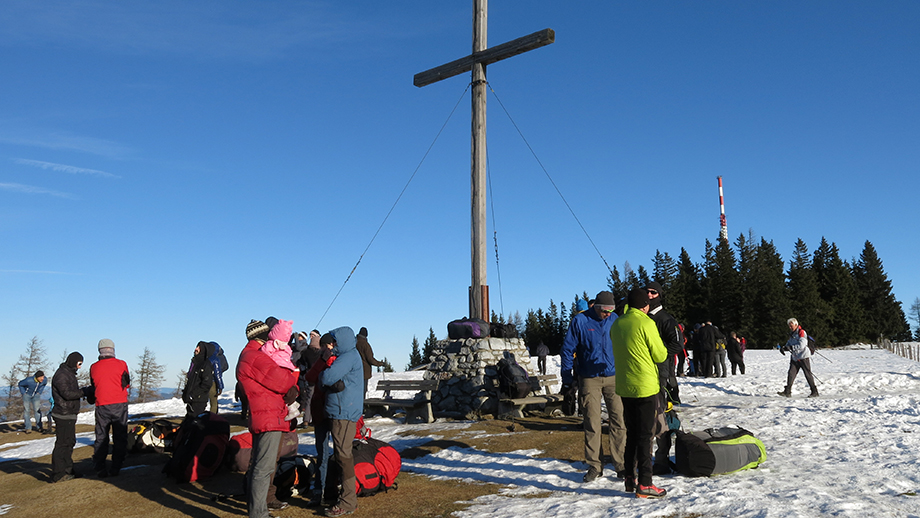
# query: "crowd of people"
(629, 355)
(285, 380)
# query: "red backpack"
(376, 466)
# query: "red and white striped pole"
(723, 231)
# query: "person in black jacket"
(667, 373)
(67, 394)
(199, 380)
(735, 353)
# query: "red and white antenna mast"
(723, 231)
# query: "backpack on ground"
(199, 447)
(717, 451)
(294, 476)
(513, 381)
(239, 449)
(468, 328)
(376, 466)
(151, 436)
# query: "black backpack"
(512, 379)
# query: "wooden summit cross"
(476, 62)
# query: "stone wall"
(467, 369)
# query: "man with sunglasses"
(667, 373)
(588, 341)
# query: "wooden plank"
(416, 385)
(485, 57)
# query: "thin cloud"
(91, 145)
(64, 168)
(31, 189)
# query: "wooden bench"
(418, 408)
(541, 394)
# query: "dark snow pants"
(64, 441)
(805, 366)
(112, 417)
(639, 414)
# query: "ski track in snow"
(853, 451)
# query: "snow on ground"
(851, 452)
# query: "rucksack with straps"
(513, 381)
(812, 344)
(151, 436)
(294, 476)
(377, 465)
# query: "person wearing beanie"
(266, 385)
(110, 381)
(588, 339)
(66, 393)
(199, 379)
(667, 374)
(638, 349)
(31, 390)
(367, 356)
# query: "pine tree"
(415, 357)
(387, 367)
(664, 270)
(846, 320)
(12, 403)
(746, 248)
(769, 304)
(684, 298)
(643, 278)
(147, 377)
(724, 296)
(26, 365)
(430, 343)
(630, 279)
(181, 378)
(616, 286)
(518, 323)
(915, 316)
(883, 312)
(804, 297)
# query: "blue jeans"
(32, 405)
(323, 453)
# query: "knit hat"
(106, 347)
(255, 329)
(637, 298)
(271, 321)
(581, 305)
(73, 359)
(327, 339)
(605, 298)
(655, 286)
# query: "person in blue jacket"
(31, 389)
(588, 339)
(343, 383)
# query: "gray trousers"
(343, 433)
(262, 467)
(591, 392)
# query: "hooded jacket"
(638, 349)
(200, 375)
(219, 365)
(588, 338)
(265, 384)
(65, 390)
(347, 404)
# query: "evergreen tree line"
(750, 289)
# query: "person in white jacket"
(800, 358)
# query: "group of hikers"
(282, 377)
(628, 355)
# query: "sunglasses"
(652, 292)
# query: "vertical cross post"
(476, 63)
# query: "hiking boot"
(814, 393)
(785, 392)
(630, 484)
(277, 505)
(27, 430)
(650, 491)
(337, 511)
(591, 475)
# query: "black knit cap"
(73, 359)
(605, 298)
(637, 298)
(327, 339)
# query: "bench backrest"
(408, 385)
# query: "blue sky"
(169, 171)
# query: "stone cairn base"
(467, 371)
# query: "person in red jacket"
(110, 382)
(266, 385)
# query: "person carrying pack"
(800, 358)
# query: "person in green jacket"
(637, 349)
